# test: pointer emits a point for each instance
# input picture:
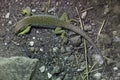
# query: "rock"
(71, 58)
(118, 64)
(49, 75)
(10, 22)
(97, 76)
(2, 31)
(105, 39)
(83, 16)
(41, 49)
(68, 48)
(87, 27)
(33, 37)
(106, 52)
(31, 43)
(98, 59)
(56, 70)
(59, 78)
(55, 49)
(115, 68)
(32, 49)
(17, 68)
(116, 39)
(6, 43)
(116, 9)
(69, 77)
(83, 66)
(42, 69)
(106, 9)
(52, 10)
(7, 15)
(76, 40)
(33, 10)
(116, 35)
(62, 49)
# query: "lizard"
(46, 21)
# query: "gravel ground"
(59, 59)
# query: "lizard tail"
(83, 34)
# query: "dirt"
(50, 48)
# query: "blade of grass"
(85, 46)
(103, 23)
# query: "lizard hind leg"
(59, 30)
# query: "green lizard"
(58, 30)
(47, 21)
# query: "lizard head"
(19, 26)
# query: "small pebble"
(93, 24)
(9, 22)
(5, 43)
(55, 49)
(62, 49)
(2, 24)
(116, 39)
(105, 39)
(7, 15)
(84, 15)
(118, 64)
(52, 10)
(32, 49)
(57, 3)
(65, 58)
(43, 9)
(118, 74)
(68, 49)
(79, 70)
(116, 9)
(115, 68)
(68, 3)
(83, 66)
(76, 40)
(67, 77)
(33, 37)
(71, 58)
(114, 33)
(37, 31)
(99, 59)
(59, 78)
(16, 0)
(97, 76)
(106, 10)
(33, 10)
(42, 69)
(49, 75)
(56, 70)
(36, 49)
(31, 43)
(21, 3)
(103, 79)
(41, 49)
(87, 27)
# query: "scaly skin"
(49, 20)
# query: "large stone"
(17, 68)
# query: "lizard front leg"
(26, 12)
